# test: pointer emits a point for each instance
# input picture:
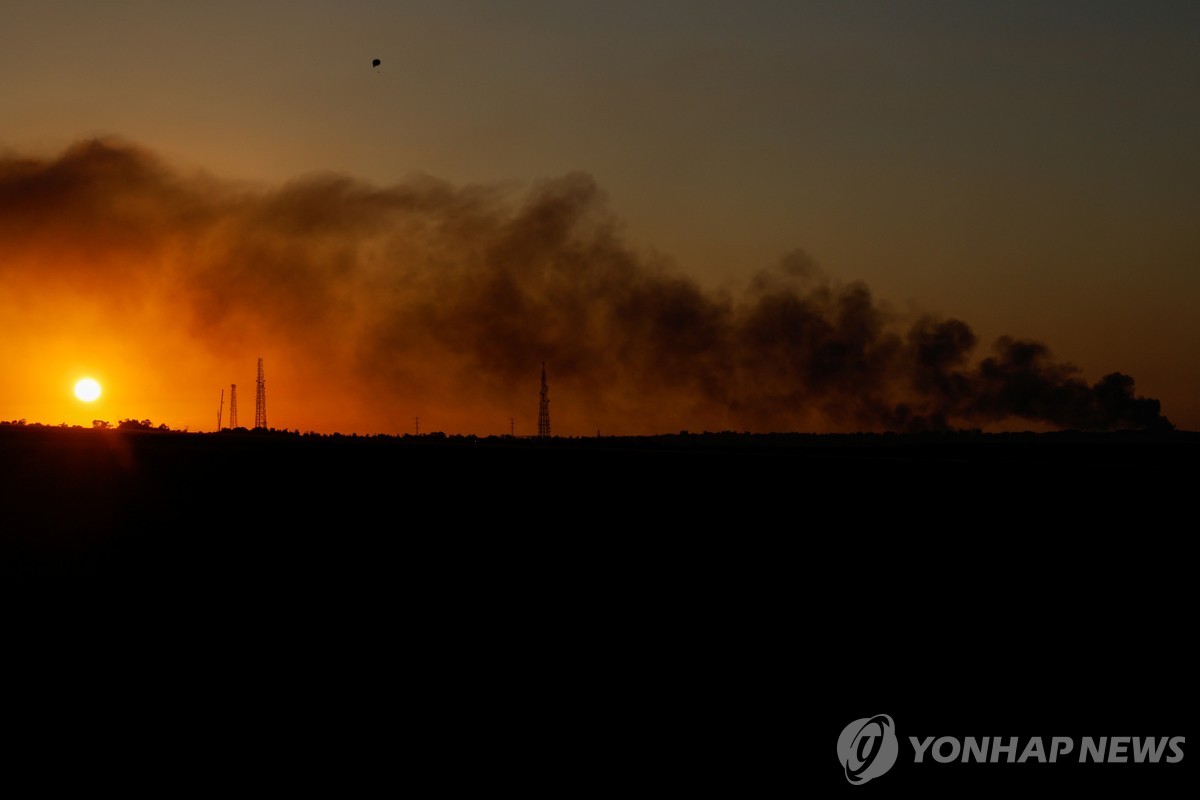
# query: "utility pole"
(544, 407)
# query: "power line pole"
(544, 407)
(233, 405)
(220, 409)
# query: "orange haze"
(373, 305)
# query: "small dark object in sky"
(375, 63)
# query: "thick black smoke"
(459, 293)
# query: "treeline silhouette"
(684, 438)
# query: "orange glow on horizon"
(373, 306)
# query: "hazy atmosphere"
(754, 216)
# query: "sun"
(87, 390)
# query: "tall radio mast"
(260, 399)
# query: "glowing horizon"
(366, 327)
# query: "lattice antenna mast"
(544, 407)
(233, 405)
(220, 409)
(260, 399)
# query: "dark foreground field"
(100, 504)
(138, 505)
(585, 616)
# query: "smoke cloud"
(426, 296)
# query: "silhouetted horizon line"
(145, 426)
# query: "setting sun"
(87, 390)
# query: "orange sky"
(1027, 169)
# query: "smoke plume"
(424, 295)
